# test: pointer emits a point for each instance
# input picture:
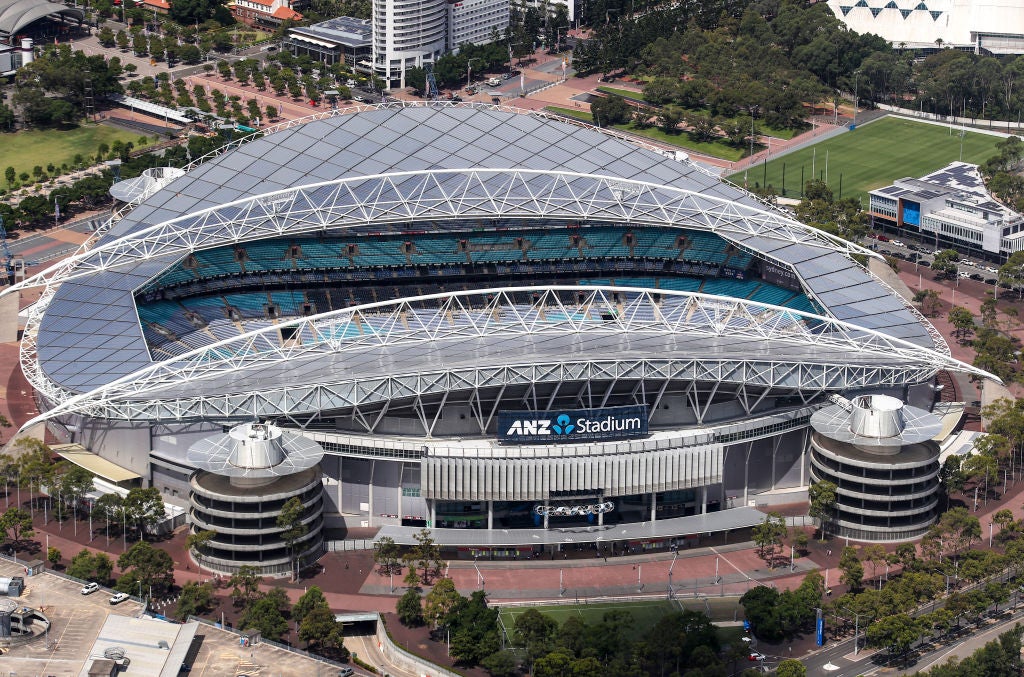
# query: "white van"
(494, 82)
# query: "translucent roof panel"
(91, 334)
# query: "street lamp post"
(469, 68)
(856, 628)
(856, 97)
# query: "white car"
(755, 656)
(897, 243)
(119, 597)
(90, 588)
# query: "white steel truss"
(431, 196)
(410, 324)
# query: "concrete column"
(432, 504)
(654, 505)
(704, 500)
(490, 514)
(339, 491)
(369, 495)
(600, 516)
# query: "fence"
(352, 545)
(399, 657)
(270, 642)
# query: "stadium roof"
(398, 165)
(17, 14)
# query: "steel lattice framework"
(837, 355)
(433, 196)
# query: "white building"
(951, 208)
(993, 26)
(475, 21)
(407, 34)
(411, 33)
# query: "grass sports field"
(26, 149)
(872, 156)
(645, 614)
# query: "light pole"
(990, 534)
(856, 98)
(856, 628)
(469, 68)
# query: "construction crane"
(432, 91)
(8, 256)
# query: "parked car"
(90, 588)
(975, 276)
(118, 597)
(755, 656)
(897, 243)
(990, 280)
(883, 238)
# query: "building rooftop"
(344, 30)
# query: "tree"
(944, 264)
(768, 536)
(894, 633)
(90, 567)
(143, 564)
(385, 555)
(426, 555)
(535, 632)
(440, 602)
(322, 629)
(290, 520)
(823, 503)
(196, 543)
(111, 507)
(16, 523)
(962, 321)
(410, 608)
(53, 556)
(265, 615)
(928, 300)
(790, 667)
(310, 600)
(74, 483)
(610, 110)
(245, 584)
(10, 174)
(144, 508)
(760, 606)
(196, 599)
(853, 570)
(1011, 272)
(500, 664)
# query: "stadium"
(522, 333)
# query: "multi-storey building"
(407, 34)
(475, 21)
(950, 208)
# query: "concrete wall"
(405, 660)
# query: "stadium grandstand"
(18, 16)
(973, 25)
(516, 331)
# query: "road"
(365, 646)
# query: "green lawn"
(627, 93)
(682, 140)
(645, 614)
(27, 149)
(872, 156)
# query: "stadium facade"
(978, 26)
(514, 330)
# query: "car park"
(118, 597)
(90, 588)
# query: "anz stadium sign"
(569, 426)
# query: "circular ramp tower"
(880, 455)
(243, 479)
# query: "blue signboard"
(911, 213)
(568, 426)
(820, 629)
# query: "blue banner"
(820, 629)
